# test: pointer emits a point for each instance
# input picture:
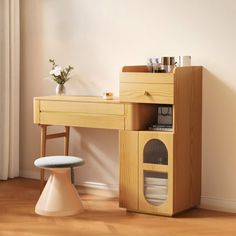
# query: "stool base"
(59, 197)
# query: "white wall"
(98, 38)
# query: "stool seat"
(58, 162)
(59, 196)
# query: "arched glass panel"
(155, 152)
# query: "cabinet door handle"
(146, 93)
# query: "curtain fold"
(9, 88)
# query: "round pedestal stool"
(59, 197)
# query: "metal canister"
(168, 64)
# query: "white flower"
(56, 71)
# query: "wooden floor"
(102, 217)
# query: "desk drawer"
(147, 87)
(82, 107)
(146, 93)
(82, 114)
(83, 120)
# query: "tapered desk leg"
(43, 153)
(66, 140)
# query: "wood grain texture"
(82, 107)
(148, 78)
(146, 87)
(187, 138)
(83, 114)
(128, 146)
(102, 217)
(146, 93)
(154, 167)
(82, 120)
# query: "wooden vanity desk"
(88, 112)
(160, 171)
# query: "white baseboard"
(210, 203)
(96, 185)
(29, 174)
(96, 188)
(217, 204)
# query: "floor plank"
(101, 217)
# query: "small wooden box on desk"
(148, 185)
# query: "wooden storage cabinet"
(140, 178)
(169, 180)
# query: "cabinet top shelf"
(144, 69)
(132, 74)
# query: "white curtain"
(9, 88)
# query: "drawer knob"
(146, 93)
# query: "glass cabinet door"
(155, 187)
(156, 172)
(155, 152)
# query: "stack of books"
(159, 127)
(155, 190)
